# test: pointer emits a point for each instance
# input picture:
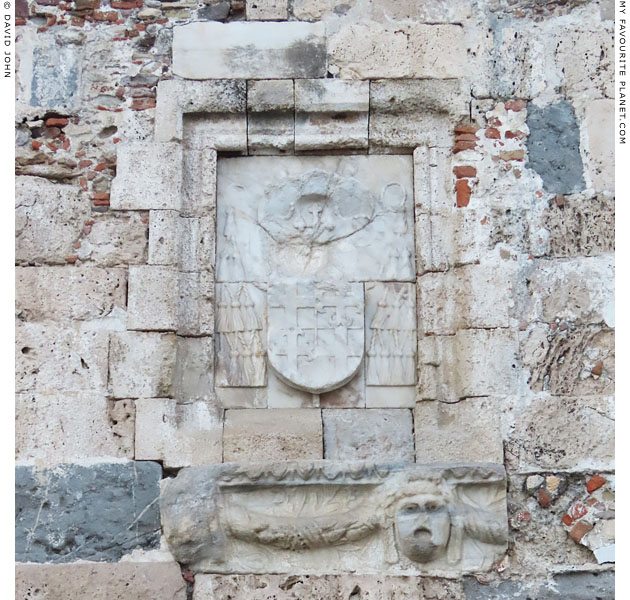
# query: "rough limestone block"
(101, 581)
(577, 586)
(99, 512)
(579, 226)
(553, 147)
(467, 431)
(52, 358)
(433, 180)
(473, 362)
(579, 290)
(141, 365)
(331, 114)
(409, 113)
(194, 369)
(472, 296)
(176, 97)
(283, 587)
(369, 50)
(200, 182)
(148, 176)
(600, 155)
(196, 243)
(381, 435)
(429, 11)
(242, 397)
(115, 238)
(267, 10)
(195, 308)
(555, 433)
(163, 247)
(249, 50)
(92, 426)
(49, 218)
(152, 298)
(351, 395)
(179, 435)
(270, 116)
(273, 434)
(60, 293)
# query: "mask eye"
(431, 506)
(410, 508)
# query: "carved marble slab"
(346, 218)
(329, 517)
(315, 332)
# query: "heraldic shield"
(315, 332)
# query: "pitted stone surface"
(554, 147)
(99, 513)
(100, 581)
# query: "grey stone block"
(554, 147)
(58, 91)
(97, 513)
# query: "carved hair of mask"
(423, 526)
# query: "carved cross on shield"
(315, 332)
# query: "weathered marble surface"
(315, 217)
(329, 517)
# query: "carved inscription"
(326, 517)
(315, 333)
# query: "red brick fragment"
(519, 135)
(188, 576)
(515, 105)
(577, 511)
(100, 196)
(579, 530)
(493, 134)
(466, 129)
(126, 4)
(465, 171)
(462, 190)
(83, 183)
(595, 482)
(56, 122)
(567, 520)
(544, 497)
(36, 145)
(461, 146)
(107, 15)
(466, 137)
(85, 163)
(494, 122)
(142, 103)
(100, 167)
(72, 258)
(598, 369)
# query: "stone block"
(562, 433)
(148, 176)
(58, 428)
(405, 114)
(580, 290)
(178, 435)
(433, 181)
(61, 293)
(152, 298)
(195, 309)
(115, 238)
(382, 435)
(331, 114)
(267, 10)
(176, 97)
(471, 296)
(576, 586)
(200, 182)
(99, 512)
(281, 395)
(600, 154)
(579, 226)
(289, 587)
(49, 219)
(141, 364)
(100, 581)
(430, 11)
(370, 50)
(577, 361)
(163, 237)
(194, 369)
(403, 396)
(196, 243)
(249, 50)
(273, 434)
(59, 92)
(270, 116)
(553, 147)
(53, 358)
(473, 362)
(225, 132)
(467, 431)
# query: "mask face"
(423, 527)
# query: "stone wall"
(128, 113)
